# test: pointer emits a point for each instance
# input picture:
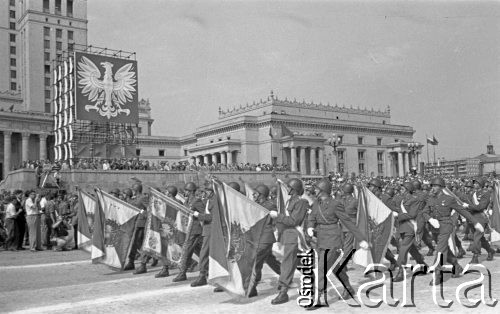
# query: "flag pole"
(427, 141)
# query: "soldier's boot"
(457, 270)
(129, 266)
(461, 252)
(155, 262)
(400, 275)
(180, 277)
(141, 270)
(218, 289)
(431, 252)
(253, 292)
(163, 272)
(491, 253)
(200, 281)
(192, 267)
(475, 259)
(282, 297)
(498, 250)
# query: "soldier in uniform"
(171, 192)
(351, 209)
(422, 231)
(205, 218)
(267, 239)
(479, 200)
(325, 217)
(407, 228)
(438, 212)
(140, 201)
(195, 237)
(286, 223)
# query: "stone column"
(229, 157)
(205, 160)
(417, 161)
(302, 160)
(7, 147)
(321, 161)
(400, 164)
(24, 146)
(223, 158)
(214, 159)
(407, 162)
(43, 146)
(293, 157)
(312, 160)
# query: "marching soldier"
(422, 231)
(140, 201)
(479, 200)
(407, 228)
(325, 217)
(267, 239)
(438, 212)
(195, 237)
(286, 223)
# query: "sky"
(435, 63)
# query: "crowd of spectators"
(33, 220)
(138, 164)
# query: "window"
(46, 31)
(69, 8)
(13, 86)
(341, 139)
(380, 168)
(58, 45)
(185, 152)
(12, 38)
(59, 57)
(47, 81)
(360, 140)
(341, 167)
(12, 14)
(70, 35)
(12, 25)
(379, 141)
(47, 107)
(71, 47)
(47, 94)
(139, 130)
(58, 7)
(340, 155)
(138, 152)
(47, 56)
(12, 62)
(361, 167)
(13, 74)
(161, 153)
(383, 121)
(46, 6)
(380, 156)
(361, 155)
(58, 33)
(12, 3)
(12, 50)
(46, 44)
(396, 140)
(47, 69)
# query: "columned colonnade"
(11, 139)
(401, 162)
(222, 157)
(306, 159)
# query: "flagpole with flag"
(427, 142)
(495, 215)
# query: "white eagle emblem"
(108, 94)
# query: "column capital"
(25, 134)
(43, 136)
(7, 133)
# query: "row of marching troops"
(423, 214)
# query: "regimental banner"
(86, 215)
(106, 89)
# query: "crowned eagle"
(110, 93)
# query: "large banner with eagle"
(106, 89)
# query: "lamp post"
(413, 148)
(334, 142)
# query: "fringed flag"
(87, 207)
(167, 227)
(495, 215)
(113, 231)
(231, 264)
(375, 221)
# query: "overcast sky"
(435, 63)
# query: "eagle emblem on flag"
(109, 92)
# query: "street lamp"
(413, 148)
(334, 142)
